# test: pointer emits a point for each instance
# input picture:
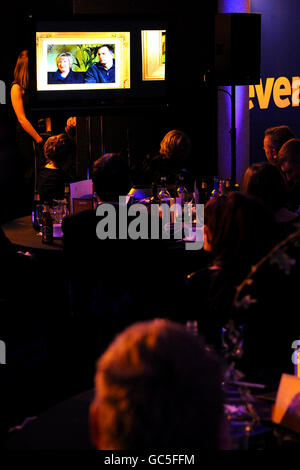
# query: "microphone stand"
(232, 133)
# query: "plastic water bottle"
(215, 191)
(182, 191)
(164, 195)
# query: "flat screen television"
(87, 64)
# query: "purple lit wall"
(242, 112)
(280, 32)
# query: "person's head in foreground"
(156, 386)
(266, 182)
(239, 230)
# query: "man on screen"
(104, 70)
(64, 73)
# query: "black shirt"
(51, 184)
(72, 77)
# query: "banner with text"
(275, 100)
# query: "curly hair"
(58, 148)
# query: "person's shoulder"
(91, 71)
(79, 234)
(82, 218)
(202, 274)
(43, 172)
(76, 75)
(52, 74)
(51, 173)
(53, 77)
(93, 66)
(16, 88)
(87, 214)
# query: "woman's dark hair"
(243, 230)
(111, 177)
(58, 148)
(266, 182)
(21, 73)
(213, 219)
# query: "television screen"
(81, 63)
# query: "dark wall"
(15, 27)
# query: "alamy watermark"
(296, 353)
(2, 352)
(2, 92)
(179, 222)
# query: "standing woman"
(25, 131)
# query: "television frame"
(145, 90)
(62, 41)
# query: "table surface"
(22, 234)
(65, 426)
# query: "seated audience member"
(289, 159)
(266, 182)
(238, 231)
(22, 333)
(58, 152)
(111, 277)
(111, 179)
(157, 387)
(265, 304)
(175, 149)
(82, 247)
(64, 73)
(275, 137)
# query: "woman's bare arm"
(17, 103)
